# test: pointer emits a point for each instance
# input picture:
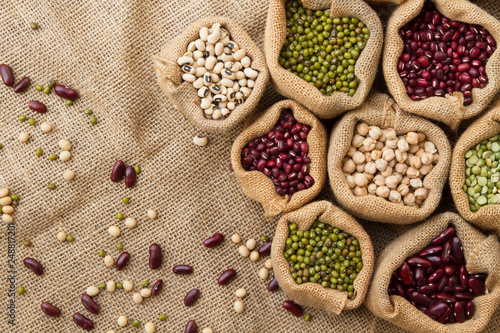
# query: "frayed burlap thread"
(292, 86)
(258, 186)
(185, 97)
(482, 254)
(313, 294)
(380, 110)
(450, 109)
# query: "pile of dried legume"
(323, 50)
(389, 166)
(7, 204)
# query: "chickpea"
(392, 182)
(415, 162)
(369, 144)
(401, 157)
(421, 136)
(426, 158)
(357, 141)
(425, 169)
(403, 189)
(381, 164)
(350, 181)
(372, 188)
(379, 145)
(370, 168)
(412, 172)
(360, 180)
(392, 143)
(387, 172)
(429, 147)
(409, 200)
(360, 191)
(360, 168)
(362, 129)
(383, 191)
(349, 166)
(368, 176)
(413, 149)
(390, 134)
(388, 154)
(403, 145)
(394, 196)
(401, 168)
(358, 157)
(416, 182)
(374, 132)
(379, 180)
(421, 193)
(376, 154)
(411, 138)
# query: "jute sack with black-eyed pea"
(381, 111)
(292, 86)
(488, 216)
(182, 93)
(482, 255)
(314, 294)
(449, 109)
(258, 186)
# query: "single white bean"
(269, 262)
(110, 286)
(24, 137)
(254, 256)
(92, 291)
(263, 273)
(127, 285)
(149, 328)
(152, 214)
(65, 156)
(68, 175)
(236, 238)
(122, 321)
(61, 236)
(239, 307)
(109, 261)
(243, 250)
(137, 298)
(241, 292)
(114, 231)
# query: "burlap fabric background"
(330, 300)
(104, 49)
(481, 254)
(291, 86)
(381, 110)
(449, 110)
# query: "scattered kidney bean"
(83, 321)
(227, 276)
(191, 297)
(7, 75)
(130, 176)
(37, 106)
(65, 92)
(182, 269)
(155, 256)
(122, 260)
(293, 307)
(50, 310)
(156, 288)
(191, 327)
(34, 265)
(89, 303)
(118, 171)
(273, 285)
(214, 240)
(265, 249)
(22, 85)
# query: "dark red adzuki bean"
(65, 92)
(83, 321)
(155, 256)
(118, 171)
(50, 310)
(7, 75)
(122, 260)
(182, 269)
(34, 265)
(214, 240)
(226, 276)
(191, 327)
(37, 106)
(265, 249)
(293, 307)
(273, 285)
(89, 304)
(130, 176)
(22, 85)
(191, 297)
(157, 287)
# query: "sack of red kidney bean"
(280, 157)
(441, 59)
(464, 271)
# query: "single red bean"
(405, 274)
(122, 260)
(436, 260)
(429, 289)
(7, 75)
(227, 276)
(450, 269)
(456, 248)
(438, 273)
(37, 106)
(420, 299)
(419, 261)
(182, 269)
(293, 307)
(476, 286)
(463, 275)
(444, 317)
(191, 327)
(480, 276)
(445, 254)
(155, 256)
(130, 176)
(273, 285)
(469, 310)
(22, 85)
(89, 303)
(118, 171)
(265, 249)
(420, 274)
(435, 249)
(214, 240)
(65, 92)
(83, 321)
(34, 265)
(400, 288)
(459, 312)
(50, 310)
(437, 309)
(442, 283)
(464, 296)
(157, 287)
(444, 236)
(446, 297)
(191, 297)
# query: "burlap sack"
(482, 254)
(381, 110)
(313, 294)
(378, 2)
(258, 186)
(292, 86)
(488, 216)
(449, 109)
(185, 97)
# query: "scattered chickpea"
(243, 250)
(122, 321)
(149, 328)
(236, 238)
(64, 144)
(254, 256)
(251, 243)
(65, 155)
(24, 137)
(109, 261)
(130, 223)
(137, 298)
(152, 214)
(68, 175)
(268, 264)
(263, 273)
(92, 291)
(46, 127)
(207, 330)
(240, 293)
(127, 285)
(239, 307)
(114, 231)
(146, 292)
(61, 236)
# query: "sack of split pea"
(324, 54)
(213, 62)
(387, 165)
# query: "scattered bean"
(61, 236)
(236, 238)
(69, 175)
(50, 310)
(191, 297)
(24, 137)
(254, 256)
(109, 261)
(240, 293)
(114, 231)
(65, 156)
(265, 249)
(263, 273)
(7, 75)
(137, 298)
(227, 276)
(118, 171)
(92, 291)
(293, 307)
(22, 85)
(214, 240)
(130, 176)
(89, 303)
(122, 321)
(155, 256)
(37, 106)
(182, 269)
(152, 214)
(268, 264)
(243, 250)
(145, 292)
(157, 286)
(122, 260)
(191, 327)
(200, 141)
(34, 265)
(130, 223)
(65, 92)
(127, 285)
(239, 307)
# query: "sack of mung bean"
(440, 59)
(481, 254)
(213, 73)
(280, 158)
(387, 165)
(324, 54)
(324, 291)
(475, 171)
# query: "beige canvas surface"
(104, 50)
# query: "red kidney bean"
(436, 260)
(155, 256)
(122, 260)
(7, 75)
(227, 276)
(476, 286)
(437, 309)
(34, 265)
(469, 310)
(446, 297)
(157, 287)
(444, 236)
(480, 276)
(456, 248)
(182, 269)
(37, 106)
(445, 254)
(118, 171)
(464, 296)
(130, 176)
(273, 285)
(83, 321)
(65, 92)
(419, 261)
(191, 327)
(293, 307)
(430, 250)
(463, 275)
(191, 297)
(22, 85)
(214, 240)
(429, 289)
(89, 303)
(446, 314)
(450, 269)
(405, 274)
(50, 310)
(420, 299)
(438, 273)
(459, 312)
(265, 249)
(442, 283)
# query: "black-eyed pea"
(246, 61)
(185, 61)
(199, 72)
(200, 45)
(204, 34)
(198, 83)
(191, 47)
(251, 73)
(217, 114)
(197, 55)
(250, 83)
